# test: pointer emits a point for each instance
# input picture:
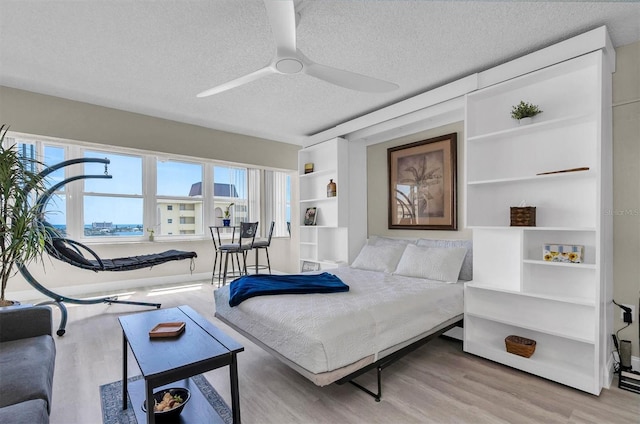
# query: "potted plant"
(523, 112)
(22, 235)
(151, 232)
(226, 220)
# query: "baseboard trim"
(34, 296)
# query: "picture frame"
(422, 184)
(310, 266)
(310, 216)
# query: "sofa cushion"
(32, 412)
(22, 322)
(26, 370)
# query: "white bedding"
(324, 332)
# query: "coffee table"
(199, 348)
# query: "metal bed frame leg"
(380, 364)
(376, 396)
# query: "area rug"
(111, 395)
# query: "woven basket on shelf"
(520, 345)
(523, 216)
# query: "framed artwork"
(422, 184)
(310, 216)
(310, 266)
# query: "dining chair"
(218, 254)
(245, 243)
(264, 245)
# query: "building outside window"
(174, 184)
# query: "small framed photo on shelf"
(308, 168)
(310, 216)
(310, 266)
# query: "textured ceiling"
(153, 57)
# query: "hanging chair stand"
(73, 252)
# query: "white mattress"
(325, 332)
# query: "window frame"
(75, 192)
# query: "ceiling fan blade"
(282, 16)
(348, 79)
(267, 70)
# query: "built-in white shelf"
(536, 127)
(552, 178)
(560, 305)
(562, 299)
(516, 228)
(535, 328)
(319, 200)
(336, 236)
(318, 174)
(559, 264)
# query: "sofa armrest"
(22, 322)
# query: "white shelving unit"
(338, 234)
(560, 305)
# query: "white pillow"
(466, 272)
(383, 258)
(379, 241)
(432, 263)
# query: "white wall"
(377, 190)
(55, 117)
(626, 188)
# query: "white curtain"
(253, 184)
(276, 201)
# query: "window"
(56, 207)
(113, 206)
(174, 196)
(179, 183)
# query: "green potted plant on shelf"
(226, 219)
(523, 112)
(22, 235)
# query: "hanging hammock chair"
(79, 255)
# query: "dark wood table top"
(200, 340)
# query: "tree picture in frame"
(310, 216)
(422, 184)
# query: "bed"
(393, 306)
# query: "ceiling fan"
(290, 60)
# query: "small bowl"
(174, 412)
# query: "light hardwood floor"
(438, 383)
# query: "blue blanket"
(249, 286)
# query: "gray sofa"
(27, 359)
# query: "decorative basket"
(523, 216)
(520, 346)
